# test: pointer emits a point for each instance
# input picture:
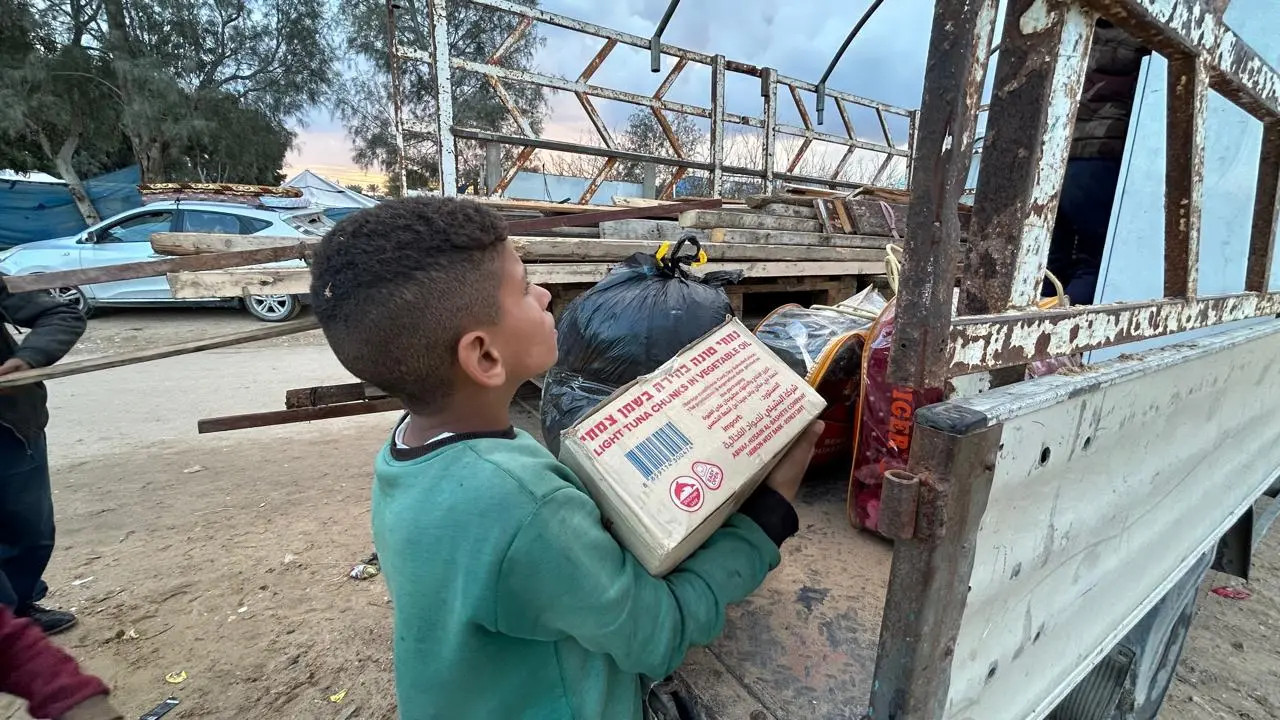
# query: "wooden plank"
(284, 417)
(294, 281)
(785, 210)
(651, 230)
(842, 214)
(776, 237)
(757, 202)
(822, 208)
(78, 367)
(564, 250)
(182, 243)
(331, 395)
(520, 226)
(624, 201)
(541, 206)
(708, 219)
(153, 268)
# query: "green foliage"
(364, 101)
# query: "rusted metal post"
(1187, 103)
(954, 456)
(1266, 212)
(397, 110)
(440, 70)
(1038, 83)
(769, 90)
(955, 71)
(899, 500)
(821, 90)
(492, 166)
(912, 121)
(717, 126)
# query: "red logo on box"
(686, 494)
(710, 474)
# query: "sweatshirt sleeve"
(564, 575)
(55, 326)
(36, 670)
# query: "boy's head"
(425, 299)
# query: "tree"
(364, 103)
(174, 57)
(59, 110)
(644, 134)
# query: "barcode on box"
(658, 451)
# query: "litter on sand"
(338, 696)
(1231, 593)
(365, 569)
(175, 678)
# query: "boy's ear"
(479, 359)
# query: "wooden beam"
(153, 268)
(709, 219)
(786, 210)
(184, 243)
(651, 230)
(320, 395)
(296, 281)
(778, 237)
(284, 417)
(542, 206)
(562, 250)
(520, 226)
(78, 367)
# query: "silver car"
(126, 238)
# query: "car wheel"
(273, 308)
(75, 298)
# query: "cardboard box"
(670, 456)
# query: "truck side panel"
(1108, 485)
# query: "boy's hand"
(786, 475)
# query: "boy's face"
(526, 331)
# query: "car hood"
(62, 243)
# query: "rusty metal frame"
(681, 159)
(1039, 74)
(1044, 51)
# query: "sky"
(797, 37)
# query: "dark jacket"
(1102, 122)
(55, 328)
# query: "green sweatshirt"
(511, 600)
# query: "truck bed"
(804, 644)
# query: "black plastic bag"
(644, 312)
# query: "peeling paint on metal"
(1037, 18)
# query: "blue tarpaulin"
(39, 210)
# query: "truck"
(1052, 534)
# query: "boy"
(511, 600)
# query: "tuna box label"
(670, 456)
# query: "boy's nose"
(544, 296)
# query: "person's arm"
(36, 670)
(565, 575)
(55, 327)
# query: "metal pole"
(655, 42)
(717, 126)
(397, 114)
(444, 98)
(822, 84)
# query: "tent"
(325, 194)
(38, 208)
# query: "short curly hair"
(396, 286)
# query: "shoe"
(50, 621)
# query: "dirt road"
(224, 556)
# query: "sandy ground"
(224, 556)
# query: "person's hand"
(786, 475)
(13, 365)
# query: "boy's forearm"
(607, 601)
